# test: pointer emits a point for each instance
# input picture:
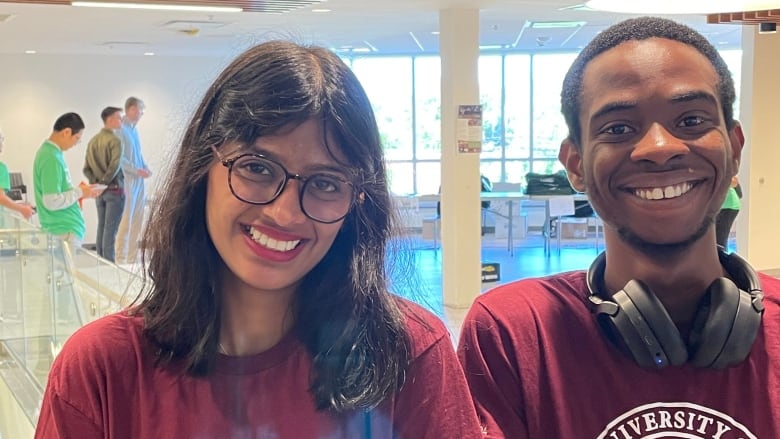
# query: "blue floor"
(419, 277)
(420, 281)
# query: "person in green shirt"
(56, 198)
(728, 213)
(24, 209)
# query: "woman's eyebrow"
(308, 168)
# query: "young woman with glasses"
(267, 313)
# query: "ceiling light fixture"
(320, 10)
(677, 7)
(158, 7)
(556, 24)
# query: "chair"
(568, 210)
(435, 222)
(18, 188)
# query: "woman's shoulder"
(424, 329)
(113, 340)
(117, 327)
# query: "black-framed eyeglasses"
(256, 179)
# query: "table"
(510, 198)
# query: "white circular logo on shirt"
(675, 420)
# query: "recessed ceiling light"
(164, 7)
(320, 10)
(435, 32)
(678, 7)
(556, 24)
(31, 52)
(148, 53)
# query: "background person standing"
(135, 171)
(55, 196)
(24, 209)
(9, 284)
(102, 166)
(727, 215)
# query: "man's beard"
(664, 250)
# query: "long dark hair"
(345, 316)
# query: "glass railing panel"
(11, 297)
(47, 291)
(105, 287)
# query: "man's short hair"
(108, 112)
(636, 29)
(69, 120)
(133, 101)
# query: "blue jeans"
(110, 205)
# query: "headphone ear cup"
(724, 327)
(661, 330)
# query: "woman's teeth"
(271, 243)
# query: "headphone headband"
(736, 266)
(724, 326)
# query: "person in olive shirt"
(102, 166)
(24, 209)
(55, 196)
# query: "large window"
(520, 95)
(388, 83)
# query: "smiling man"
(664, 336)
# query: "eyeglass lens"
(324, 197)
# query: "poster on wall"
(469, 129)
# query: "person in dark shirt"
(102, 165)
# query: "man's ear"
(737, 139)
(571, 159)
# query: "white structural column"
(460, 208)
(758, 230)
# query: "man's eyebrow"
(612, 107)
(695, 96)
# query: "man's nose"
(658, 145)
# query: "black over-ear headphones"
(724, 327)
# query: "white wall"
(36, 89)
(757, 228)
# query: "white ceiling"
(383, 26)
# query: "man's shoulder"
(562, 289)
(770, 286)
(46, 154)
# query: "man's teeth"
(663, 193)
(271, 243)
